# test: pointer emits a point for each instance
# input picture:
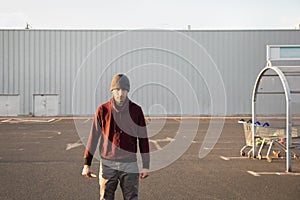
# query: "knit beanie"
(120, 81)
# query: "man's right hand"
(86, 171)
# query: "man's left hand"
(144, 174)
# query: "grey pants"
(111, 173)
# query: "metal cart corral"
(278, 53)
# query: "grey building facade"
(172, 73)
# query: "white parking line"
(177, 119)
(57, 120)
(232, 158)
(158, 147)
(50, 131)
(28, 120)
(47, 131)
(155, 142)
(74, 145)
(86, 121)
(31, 142)
(218, 148)
(273, 173)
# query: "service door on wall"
(45, 105)
(9, 105)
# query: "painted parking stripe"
(155, 142)
(177, 119)
(218, 148)
(158, 147)
(57, 120)
(85, 121)
(74, 145)
(7, 120)
(233, 158)
(28, 120)
(273, 173)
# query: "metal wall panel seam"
(5, 61)
(2, 62)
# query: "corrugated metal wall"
(171, 72)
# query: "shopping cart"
(265, 135)
(248, 137)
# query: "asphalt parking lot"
(43, 158)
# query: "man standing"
(119, 127)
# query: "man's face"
(120, 95)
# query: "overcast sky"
(141, 14)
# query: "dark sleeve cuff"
(146, 165)
(87, 161)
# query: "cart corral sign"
(283, 52)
